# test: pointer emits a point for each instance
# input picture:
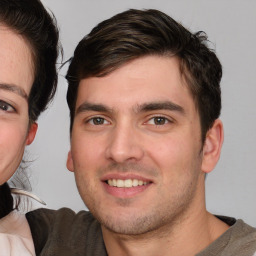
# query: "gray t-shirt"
(239, 239)
(66, 233)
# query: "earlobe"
(212, 146)
(31, 133)
(69, 164)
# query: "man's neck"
(187, 237)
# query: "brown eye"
(160, 120)
(97, 121)
(6, 107)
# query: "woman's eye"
(97, 121)
(158, 120)
(6, 107)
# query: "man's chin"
(128, 224)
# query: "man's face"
(136, 146)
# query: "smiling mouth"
(128, 183)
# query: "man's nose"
(124, 144)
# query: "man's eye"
(158, 120)
(97, 121)
(6, 107)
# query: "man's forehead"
(147, 79)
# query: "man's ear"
(31, 133)
(212, 146)
(70, 164)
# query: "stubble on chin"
(160, 218)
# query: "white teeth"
(140, 182)
(135, 183)
(120, 183)
(126, 183)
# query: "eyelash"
(4, 106)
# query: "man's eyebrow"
(14, 88)
(166, 105)
(92, 107)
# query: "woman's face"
(16, 78)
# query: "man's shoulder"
(239, 239)
(60, 232)
(242, 239)
(239, 230)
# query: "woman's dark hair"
(137, 33)
(30, 19)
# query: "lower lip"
(125, 192)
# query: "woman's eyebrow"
(14, 88)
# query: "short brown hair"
(137, 33)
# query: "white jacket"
(15, 236)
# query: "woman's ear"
(31, 133)
(70, 165)
(212, 146)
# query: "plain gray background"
(231, 27)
